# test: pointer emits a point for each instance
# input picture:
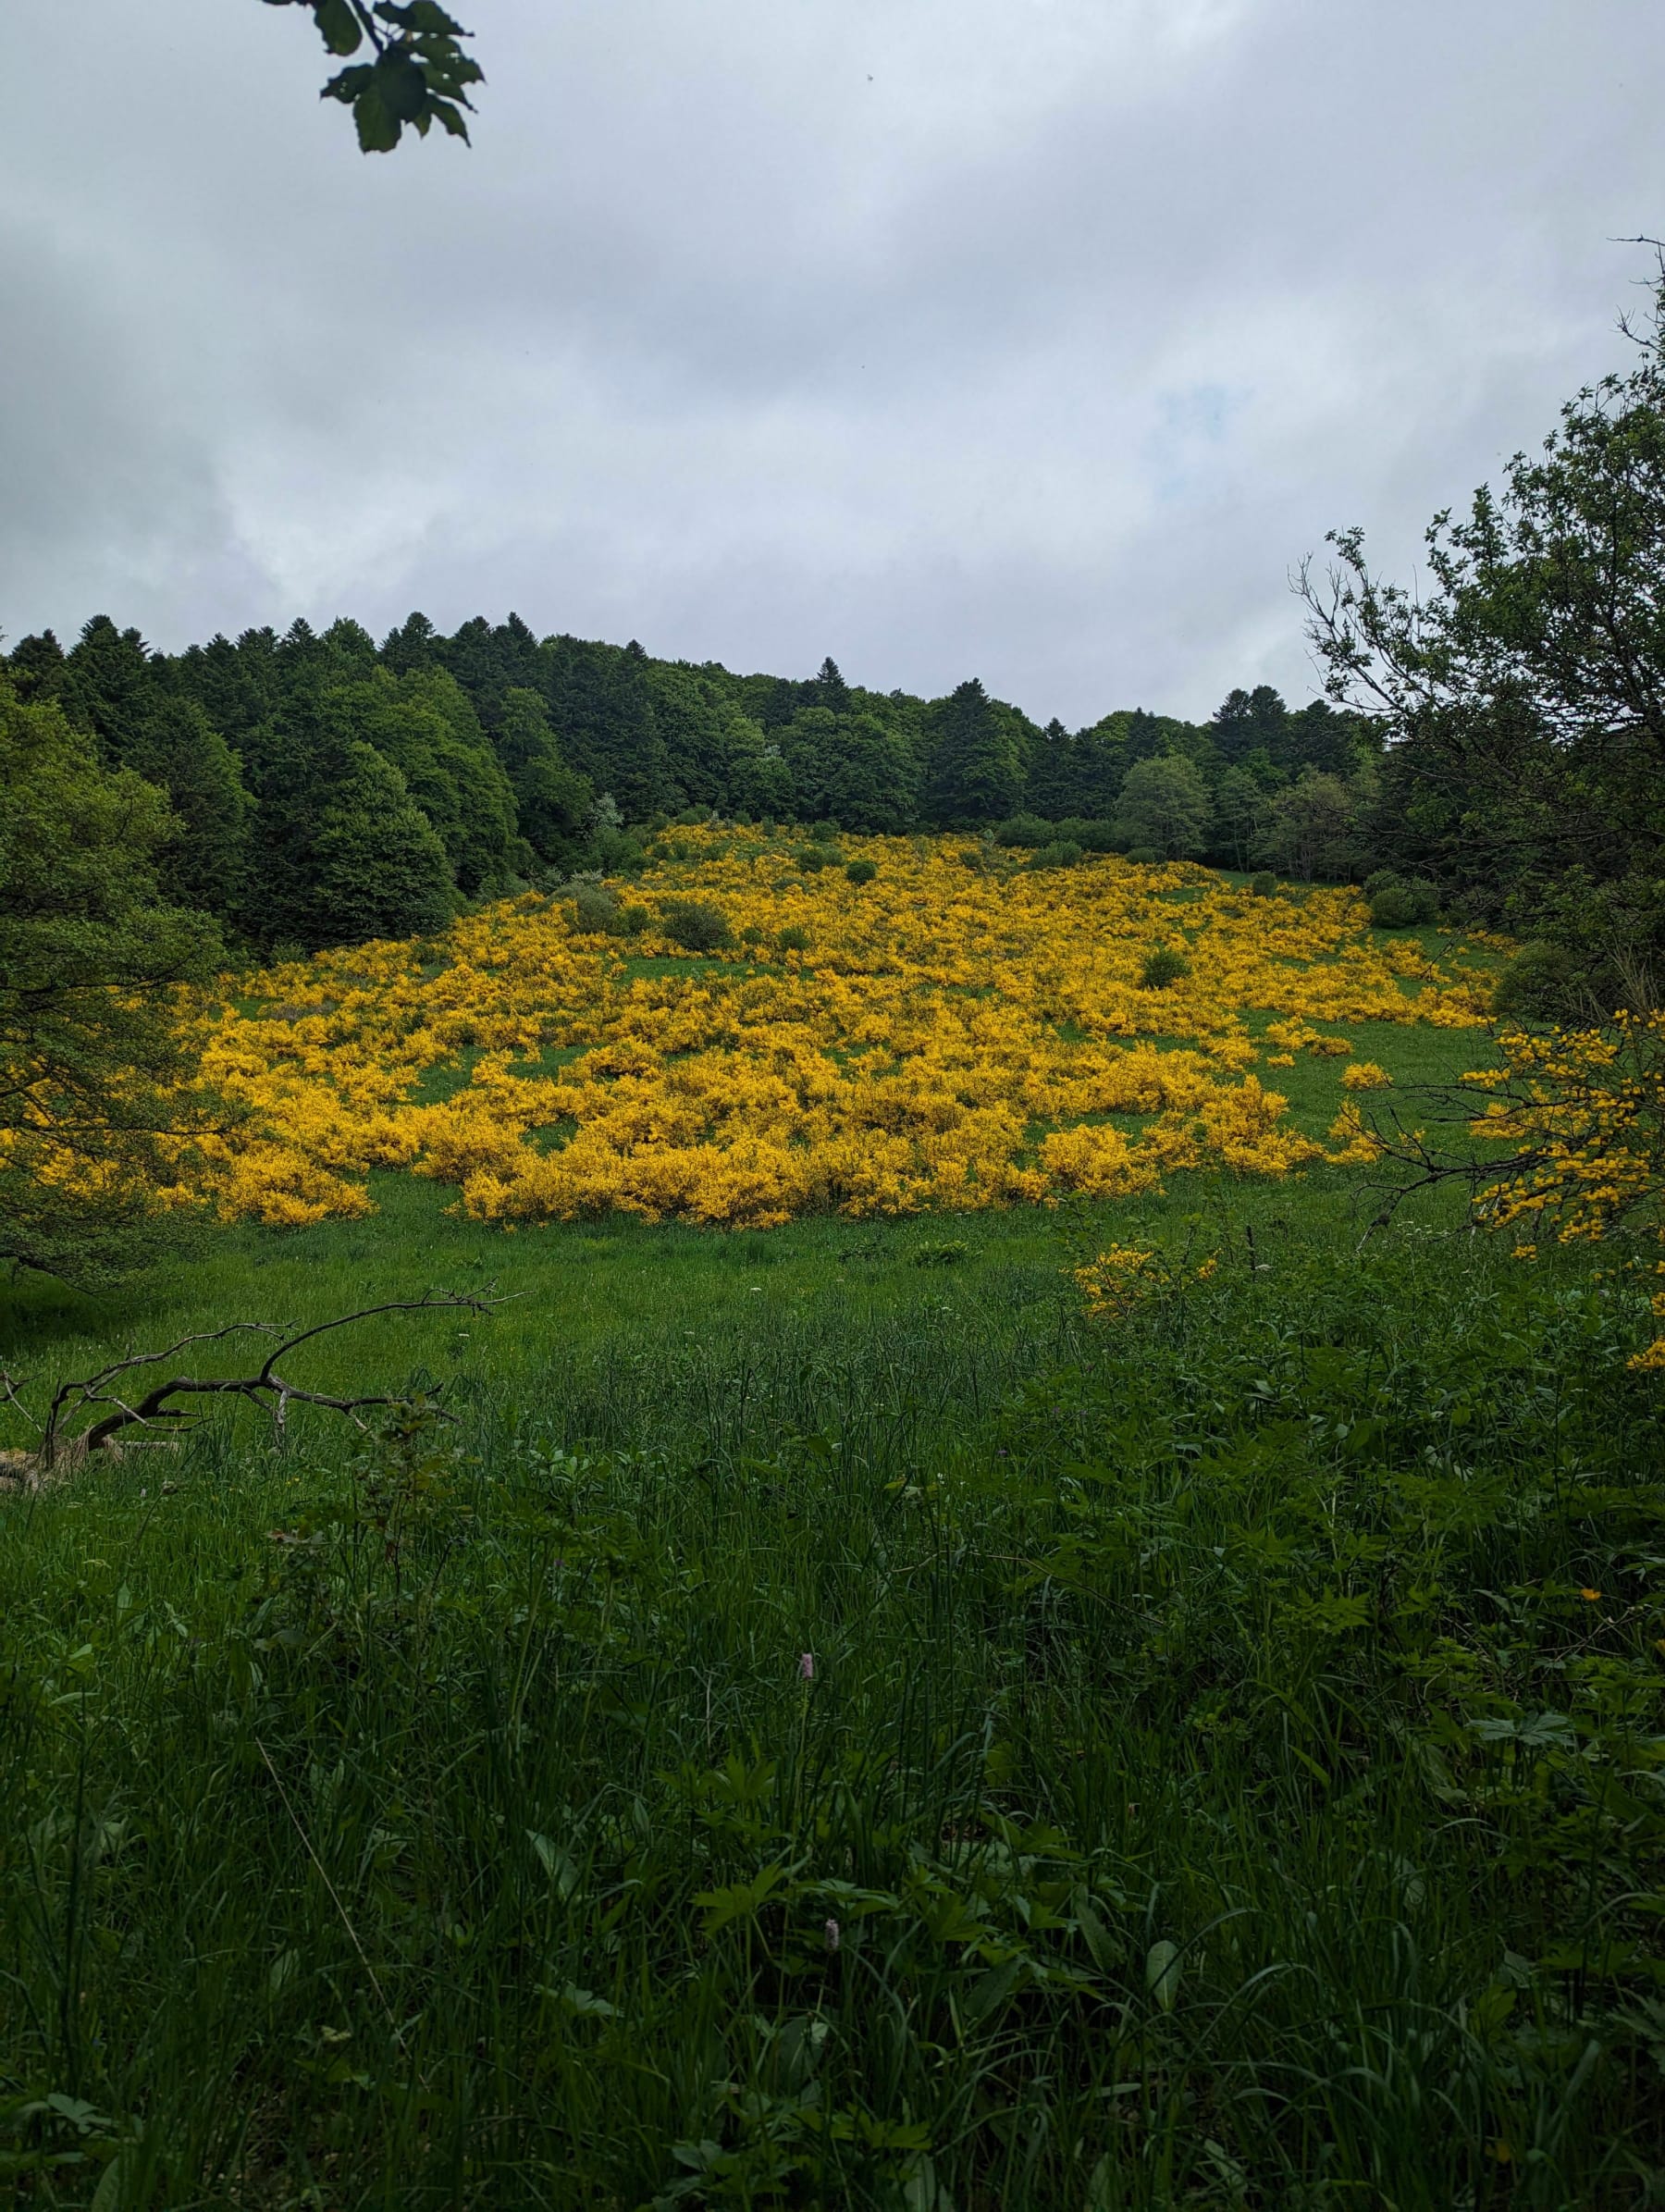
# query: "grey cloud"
(1043, 353)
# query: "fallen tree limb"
(63, 1440)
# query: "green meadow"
(807, 1717)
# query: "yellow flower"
(947, 1039)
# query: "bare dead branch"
(62, 1437)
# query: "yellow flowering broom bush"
(935, 1037)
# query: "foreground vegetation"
(862, 1732)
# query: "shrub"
(618, 853)
(1092, 836)
(942, 1256)
(1146, 856)
(1541, 983)
(861, 872)
(1063, 852)
(795, 938)
(810, 858)
(1393, 907)
(1264, 884)
(695, 924)
(636, 918)
(597, 911)
(1426, 898)
(1023, 829)
(692, 817)
(1163, 966)
(824, 832)
(753, 933)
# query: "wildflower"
(829, 1936)
(807, 1665)
(877, 1075)
(1589, 1597)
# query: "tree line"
(324, 789)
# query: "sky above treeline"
(1034, 340)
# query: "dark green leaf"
(400, 87)
(378, 128)
(421, 15)
(347, 84)
(444, 112)
(338, 26)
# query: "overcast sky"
(1028, 339)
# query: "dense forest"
(327, 789)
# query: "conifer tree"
(831, 690)
(974, 775)
(112, 687)
(36, 667)
(415, 644)
(551, 799)
(202, 862)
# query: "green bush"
(618, 853)
(1092, 836)
(795, 938)
(1393, 907)
(597, 911)
(1163, 966)
(1541, 983)
(1023, 829)
(1146, 856)
(824, 832)
(637, 919)
(695, 924)
(810, 858)
(1063, 852)
(861, 872)
(1264, 884)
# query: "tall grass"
(1212, 1782)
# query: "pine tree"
(178, 750)
(974, 776)
(36, 667)
(1247, 719)
(551, 799)
(112, 687)
(602, 713)
(831, 690)
(415, 644)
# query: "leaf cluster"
(420, 74)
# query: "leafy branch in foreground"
(61, 1439)
(420, 74)
(1521, 692)
(98, 1079)
(1584, 1112)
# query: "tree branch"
(267, 1387)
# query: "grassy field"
(827, 1724)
